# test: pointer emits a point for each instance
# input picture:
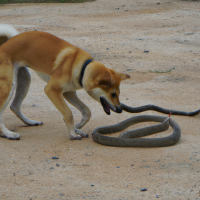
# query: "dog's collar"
(83, 70)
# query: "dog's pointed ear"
(123, 76)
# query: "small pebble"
(61, 194)
(118, 167)
(189, 33)
(143, 190)
(146, 51)
(88, 154)
(92, 185)
(58, 165)
(157, 196)
(55, 157)
(51, 167)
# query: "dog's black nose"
(118, 109)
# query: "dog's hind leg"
(23, 83)
(7, 85)
(73, 99)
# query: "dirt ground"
(135, 37)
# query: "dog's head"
(102, 84)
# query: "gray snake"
(127, 139)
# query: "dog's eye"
(114, 95)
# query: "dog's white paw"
(32, 122)
(75, 137)
(26, 120)
(5, 133)
(10, 135)
(81, 133)
(78, 135)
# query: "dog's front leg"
(72, 98)
(57, 99)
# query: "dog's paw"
(75, 137)
(26, 120)
(81, 133)
(14, 137)
(10, 135)
(32, 122)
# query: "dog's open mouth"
(105, 105)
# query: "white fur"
(3, 130)
(8, 30)
(98, 92)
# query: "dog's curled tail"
(6, 32)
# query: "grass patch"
(43, 1)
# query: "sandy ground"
(116, 33)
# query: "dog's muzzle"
(107, 106)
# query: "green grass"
(42, 1)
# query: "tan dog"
(65, 67)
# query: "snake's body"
(127, 139)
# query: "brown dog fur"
(59, 63)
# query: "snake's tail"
(158, 109)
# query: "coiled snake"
(127, 139)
